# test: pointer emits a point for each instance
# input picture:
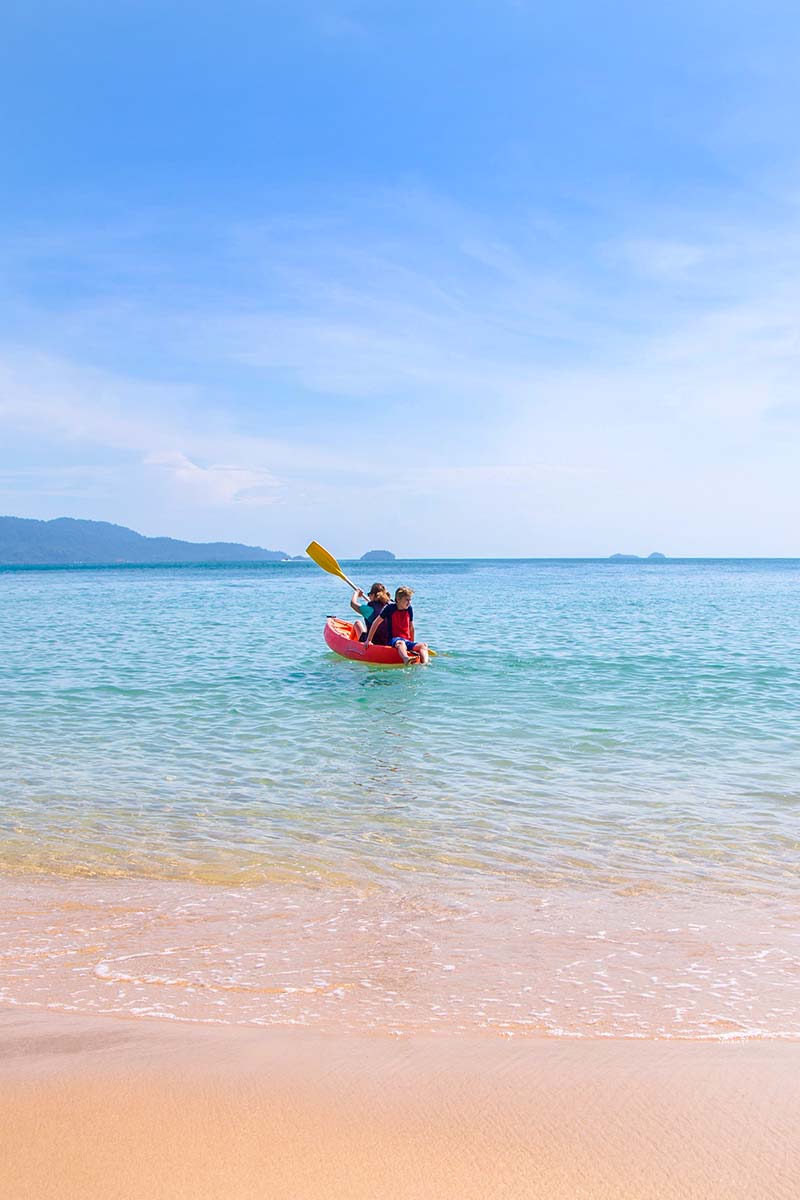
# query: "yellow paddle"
(323, 558)
(328, 563)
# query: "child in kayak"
(397, 620)
(369, 607)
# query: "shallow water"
(507, 960)
(591, 734)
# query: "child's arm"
(373, 629)
(413, 635)
(358, 592)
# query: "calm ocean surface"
(591, 733)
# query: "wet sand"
(127, 1109)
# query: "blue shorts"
(409, 643)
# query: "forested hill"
(67, 541)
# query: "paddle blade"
(328, 563)
(323, 559)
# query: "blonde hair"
(403, 592)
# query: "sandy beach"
(110, 1107)
(471, 331)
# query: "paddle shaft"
(354, 586)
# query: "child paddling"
(376, 601)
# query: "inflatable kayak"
(343, 639)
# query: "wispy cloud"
(424, 359)
(217, 483)
(59, 399)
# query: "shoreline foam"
(506, 961)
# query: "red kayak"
(343, 639)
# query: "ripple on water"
(621, 733)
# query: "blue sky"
(449, 278)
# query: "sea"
(580, 820)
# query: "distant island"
(638, 558)
(378, 556)
(68, 542)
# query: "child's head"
(378, 592)
(402, 597)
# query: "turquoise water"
(631, 727)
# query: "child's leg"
(421, 649)
(402, 650)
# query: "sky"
(450, 279)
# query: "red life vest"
(398, 621)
